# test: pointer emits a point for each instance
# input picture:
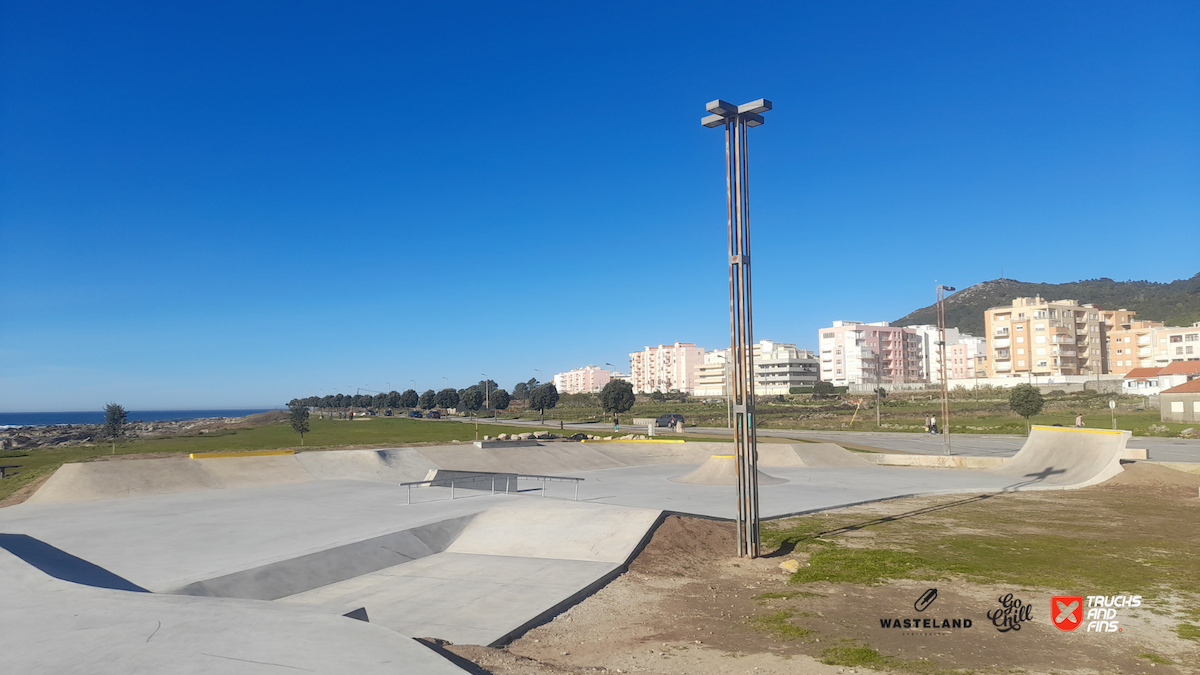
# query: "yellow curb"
(721, 456)
(259, 453)
(1078, 431)
(620, 441)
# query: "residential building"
(585, 380)
(1176, 344)
(1178, 372)
(1141, 381)
(1035, 337)
(665, 368)
(962, 354)
(853, 352)
(1131, 345)
(1181, 403)
(778, 367)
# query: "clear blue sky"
(229, 204)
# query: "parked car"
(415, 413)
(433, 414)
(669, 420)
(387, 414)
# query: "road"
(987, 445)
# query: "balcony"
(1063, 352)
(1000, 332)
(1002, 354)
(1003, 342)
(1003, 367)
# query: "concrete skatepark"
(252, 563)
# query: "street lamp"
(941, 313)
(736, 119)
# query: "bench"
(5, 467)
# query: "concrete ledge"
(942, 461)
(506, 444)
(225, 455)
(1135, 453)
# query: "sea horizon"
(44, 419)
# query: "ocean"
(41, 419)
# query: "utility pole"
(878, 385)
(941, 312)
(736, 120)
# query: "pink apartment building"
(853, 352)
(665, 368)
(585, 380)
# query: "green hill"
(1175, 304)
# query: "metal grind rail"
(483, 477)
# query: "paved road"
(992, 445)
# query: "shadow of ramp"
(1065, 458)
(62, 565)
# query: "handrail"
(483, 476)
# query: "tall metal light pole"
(736, 120)
(941, 312)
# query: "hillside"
(1175, 304)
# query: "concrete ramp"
(1065, 457)
(391, 464)
(721, 470)
(827, 456)
(544, 459)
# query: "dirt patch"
(687, 606)
(1143, 477)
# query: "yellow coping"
(258, 453)
(721, 456)
(620, 441)
(1078, 431)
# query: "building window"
(1020, 339)
(827, 335)
(1177, 406)
(1176, 338)
(1039, 326)
(1191, 337)
(1021, 364)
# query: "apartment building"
(853, 352)
(778, 367)
(963, 351)
(585, 380)
(1040, 338)
(1130, 345)
(1176, 344)
(963, 360)
(665, 368)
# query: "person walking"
(928, 429)
(1079, 421)
(933, 425)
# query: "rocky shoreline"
(75, 435)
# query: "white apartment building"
(963, 350)
(778, 367)
(665, 368)
(853, 352)
(585, 380)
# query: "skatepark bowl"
(332, 561)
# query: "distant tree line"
(485, 395)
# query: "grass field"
(899, 413)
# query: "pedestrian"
(927, 425)
(933, 425)
(1079, 421)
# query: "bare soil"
(687, 606)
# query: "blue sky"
(230, 204)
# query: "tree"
(409, 399)
(471, 399)
(1026, 400)
(823, 389)
(298, 418)
(521, 391)
(617, 397)
(500, 400)
(447, 398)
(114, 423)
(393, 399)
(543, 398)
(427, 400)
(881, 392)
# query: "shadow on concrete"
(1035, 478)
(62, 565)
(787, 547)
(438, 646)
